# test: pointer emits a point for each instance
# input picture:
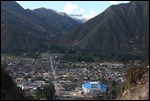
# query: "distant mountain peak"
(78, 17)
(62, 13)
(75, 14)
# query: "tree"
(46, 91)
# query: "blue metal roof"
(103, 86)
(95, 85)
(87, 85)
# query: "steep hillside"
(9, 91)
(25, 29)
(19, 38)
(58, 23)
(137, 84)
(122, 28)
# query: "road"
(52, 67)
(72, 95)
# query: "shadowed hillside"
(30, 29)
(9, 91)
(122, 28)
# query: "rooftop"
(90, 85)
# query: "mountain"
(31, 29)
(57, 22)
(122, 28)
(78, 17)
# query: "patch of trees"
(33, 53)
(6, 80)
(9, 90)
(114, 90)
(76, 54)
(77, 58)
(135, 73)
(45, 92)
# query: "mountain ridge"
(79, 18)
(38, 28)
(120, 28)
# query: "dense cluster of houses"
(32, 73)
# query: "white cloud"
(69, 7)
(113, 2)
(91, 14)
(82, 10)
(78, 12)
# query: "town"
(29, 74)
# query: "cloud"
(82, 10)
(69, 7)
(113, 2)
(91, 14)
(78, 12)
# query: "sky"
(88, 9)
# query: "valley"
(67, 76)
(51, 55)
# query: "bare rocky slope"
(136, 85)
(140, 91)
